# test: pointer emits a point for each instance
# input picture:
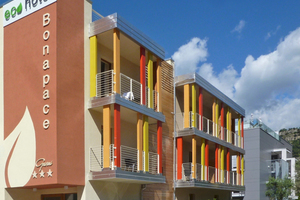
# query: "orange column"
(206, 159)
(238, 168)
(159, 146)
(216, 162)
(143, 74)
(179, 158)
(200, 109)
(117, 134)
(186, 106)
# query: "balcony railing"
(128, 158)
(209, 127)
(278, 168)
(210, 174)
(130, 89)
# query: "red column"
(117, 134)
(143, 74)
(222, 120)
(179, 158)
(238, 168)
(200, 108)
(243, 132)
(228, 160)
(159, 146)
(206, 159)
(216, 162)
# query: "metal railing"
(129, 158)
(112, 156)
(105, 83)
(131, 89)
(211, 174)
(96, 159)
(155, 101)
(209, 127)
(153, 158)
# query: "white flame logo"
(18, 153)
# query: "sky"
(250, 50)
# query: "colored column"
(194, 100)
(228, 165)
(219, 164)
(206, 159)
(146, 143)
(194, 157)
(159, 86)
(93, 65)
(150, 79)
(242, 169)
(186, 105)
(222, 164)
(239, 131)
(116, 59)
(227, 125)
(117, 135)
(202, 159)
(143, 74)
(159, 146)
(106, 136)
(140, 141)
(222, 121)
(200, 108)
(238, 168)
(216, 162)
(217, 119)
(179, 158)
(214, 116)
(243, 132)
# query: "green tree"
(296, 148)
(278, 189)
(297, 178)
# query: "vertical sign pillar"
(116, 59)
(143, 74)
(117, 135)
(106, 136)
(186, 106)
(93, 65)
(159, 146)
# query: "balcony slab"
(119, 175)
(116, 98)
(194, 131)
(208, 185)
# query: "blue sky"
(250, 50)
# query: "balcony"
(278, 168)
(210, 177)
(128, 171)
(208, 127)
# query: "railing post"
(131, 93)
(141, 101)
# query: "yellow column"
(227, 124)
(214, 115)
(93, 65)
(106, 136)
(194, 157)
(150, 79)
(140, 141)
(219, 162)
(217, 118)
(146, 144)
(230, 124)
(194, 100)
(159, 86)
(222, 164)
(202, 159)
(186, 106)
(242, 169)
(116, 58)
(239, 131)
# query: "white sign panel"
(18, 9)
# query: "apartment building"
(206, 141)
(86, 105)
(267, 155)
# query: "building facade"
(267, 155)
(206, 140)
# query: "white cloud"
(238, 28)
(271, 33)
(268, 86)
(189, 55)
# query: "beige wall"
(202, 194)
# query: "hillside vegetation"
(292, 135)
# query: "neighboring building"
(267, 155)
(206, 140)
(86, 106)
